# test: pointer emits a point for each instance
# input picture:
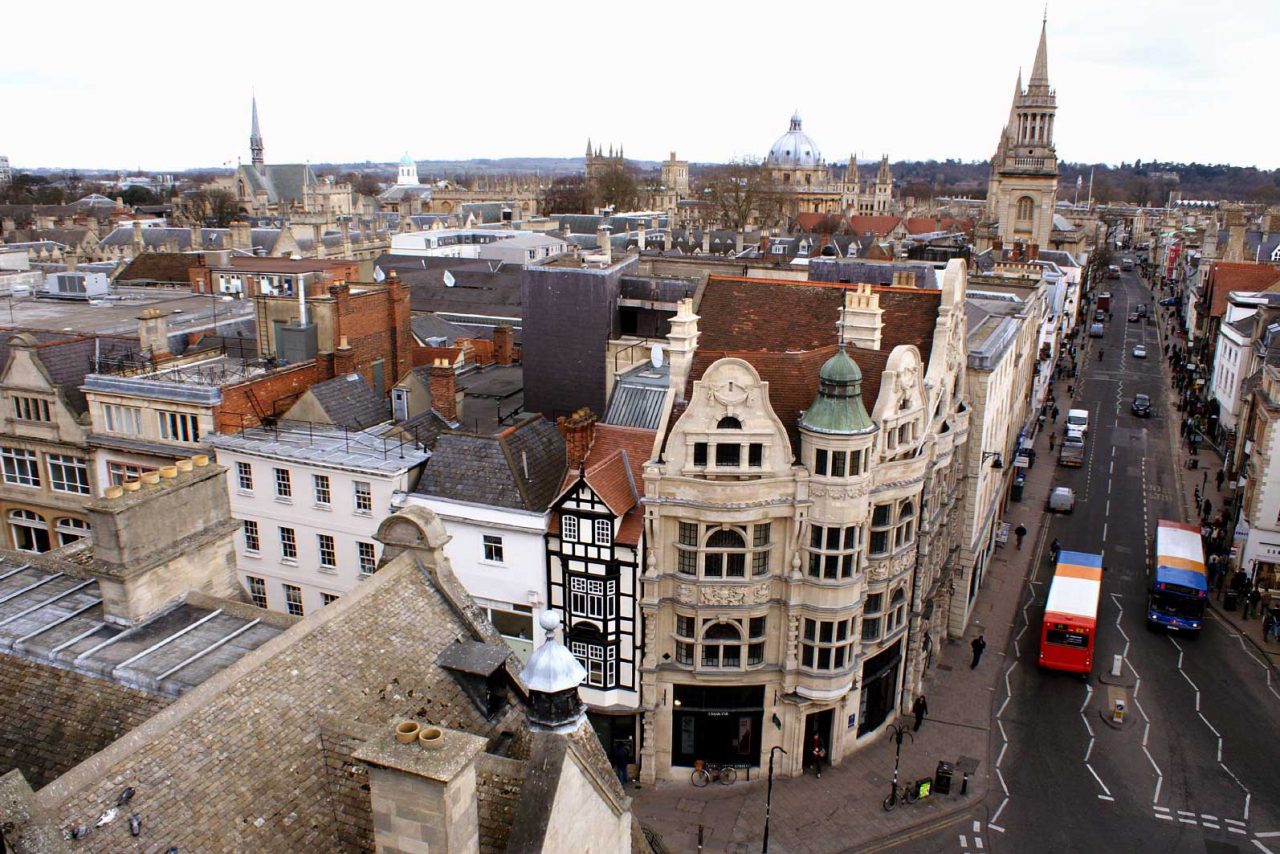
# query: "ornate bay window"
(721, 551)
(893, 526)
(835, 552)
(827, 644)
(719, 644)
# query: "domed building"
(408, 196)
(795, 158)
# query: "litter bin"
(1230, 599)
(1015, 491)
(942, 778)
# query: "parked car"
(1071, 451)
(1141, 405)
(1139, 351)
(1142, 310)
(1099, 316)
(1133, 317)
(1062, 499)
(1169, 301)
(1095, 330)
(1078, 419)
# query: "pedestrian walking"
(1251, 601)
(920, 708)
(817, 753)
(1020, 532)
(1055, 412)
(1052, 438)
(979, 645)
(1071, 391)
(1222, 476)
(1055, 549)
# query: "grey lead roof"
(322, 445)
(520, 468)
(350, 402)
(56, 618)
(638, 397)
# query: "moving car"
(1139, 351)
(1141, 405)
(1134, 317)
(1062, 499)
(1078, 419)
(1095, 330)
(1142, 310)
(1169, 301)
(1126, 264)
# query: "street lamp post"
(768, 799)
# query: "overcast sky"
(167, 85)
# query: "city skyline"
(938, 91)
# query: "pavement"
(843, 810)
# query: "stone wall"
(349, 787)
(53, 719)
(498, 783)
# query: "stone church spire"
(1039, 82)
(255, 138)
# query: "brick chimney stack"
(579, 430)
(504, 347)
(444, 390)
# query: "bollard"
(1117, 662)
(1117, 713)
(964, 784)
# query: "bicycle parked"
(705, 772)
(901, 794)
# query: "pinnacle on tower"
(255, 137)
(588, 148)
(1040, 68)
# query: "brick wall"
(271, 394)
(53, 719)
(375, 322)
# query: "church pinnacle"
(1040, 68)
(255, 137)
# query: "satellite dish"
(655, 356)
(449, 280)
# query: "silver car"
(1139, 351)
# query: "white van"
(1078, 420)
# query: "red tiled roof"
(1231, 276)
(921, 225)
(879, 224)
(783, 316)
(963, 224)
(809, 220)
(606, 473)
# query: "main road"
(1196, 767)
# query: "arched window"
(1025, 208)
(69, 530)
(726, 555)
(906, 530)
(728, 423)
(722, 646)
(30, 531)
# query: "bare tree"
(566, 194)
(616, 188)
(212, 206)
(740, 192)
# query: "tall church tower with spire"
(1023, 184)
(255, 139)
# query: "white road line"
(1188, 821)
(1211, 825)
(1207, 817)
(964, 841)
(996, 827)
(977, 827)
(1105, 798)
(1000, 758)
(977, 842)
(1184, 812)
(1003, 787)
(1161, 809)
(1261, 847)
(1235, 830)
(1099, 779)
(1210, 726)
(1236, 822)
(1165, 817)
(999, 810)
(1269, 834)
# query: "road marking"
(1207, 817)
(1161, 809)
(1234, 821)
(1184, 812)
(977, 826)
(1188, 821)
(1270, 834)
(1165, 817)
(1261, 846)
(1099, 779)
(1211, 826)
(996, 827)
(1104, 797)
(964, 841)
(977, 842)
(999, 810)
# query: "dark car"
(1133, 317)
(1141, 405)
(1099, 316)
(1142, 310)
(1169, 301)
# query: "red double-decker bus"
(1071, 613)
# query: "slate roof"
(350, 402)
(483, 288)
(429, 325)
(490, 470)
(283, 183)
(161, 267)
(164, 238)
(68, 357)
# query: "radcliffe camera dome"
(795, 149)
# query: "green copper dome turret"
(838, 407)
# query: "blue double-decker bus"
(1180, 585)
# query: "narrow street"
(1191, 769)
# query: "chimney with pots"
(861, 321)
(579, 430)
(444, 390)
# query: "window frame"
(177, 426)
(64, 463)
(283, 484)
(252, 536)
(367, 556)
(569, 528)
(288, 544)
(257, 588)
(823, 647)
(33, 410)
(21, 466)
(327, 547)
(244, 476)
(602, 532)
(362, 497)
(293, 600)
(322, 490)
(493, 548)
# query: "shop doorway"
(879, 688)
(819, 724)
(717, 724)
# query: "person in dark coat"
(920, 708)
(1020, 532)
(817, 753)
(979, 645)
